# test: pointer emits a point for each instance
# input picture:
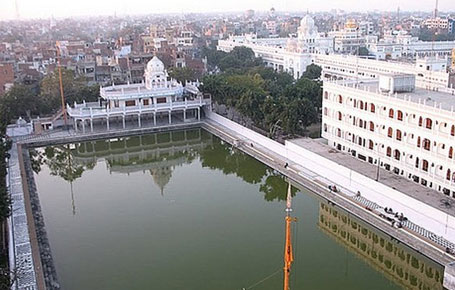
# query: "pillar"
(154, 118)
(170, 118)
(83, 126)
(123, 121)
(198, 114)
(107, 123)
(75, 125)
(184, 115)
(139, 120)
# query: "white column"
(107, 122)
(198, 114)
(154, 118)
(139, 120)
(75, 124)
(123, 121)
(91, 125)
(184, 115)
(83, 126)
(170, 118)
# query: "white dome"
(307, 27)
(307, 21)
(155, 65)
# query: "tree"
(299, 113)
(182, 74)
(312, 72)
(363, 51)
(75, 89)
(306, 89)
(18, 101)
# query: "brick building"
(6, 76)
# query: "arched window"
(452, 131)
(325, 127)
(389, 151)
(391, 113)
(418, 141)
(425, 165)
(448, 174)
(400, 115)
(361, 105)
(325, 111)
(326, 95)
(340, 116)
(426, 144)
(451, 152)
(338, 132)
(420, 121)
(399, 135)
(371, 126)
(371, 145)
(428, 123)
(372, 108)
(340, 99)
(396, 154)
(390, 132)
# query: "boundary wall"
(424, 215)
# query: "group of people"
(333, 188)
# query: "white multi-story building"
(436, 23)
(430, 73)
(397, 44)
(394, 124)
(349, 39)
(291, 55)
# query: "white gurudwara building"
(291, 55)
(157, 97)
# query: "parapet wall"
(418, 212)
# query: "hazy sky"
(63, 8)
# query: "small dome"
(155, 65)
(307, 21)
(307, 27)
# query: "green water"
(183, 210)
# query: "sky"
(65, 8)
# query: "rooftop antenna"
(62, 96)
(435, 14)
(17, 9)
(357, 56)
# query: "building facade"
(411, 133)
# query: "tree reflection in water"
(230, 160)
(216, 154)
(60, 160)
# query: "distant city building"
(6, 77)
(349, 39)
(436, 23)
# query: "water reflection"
(394, 260)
